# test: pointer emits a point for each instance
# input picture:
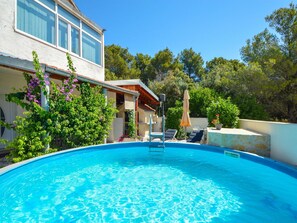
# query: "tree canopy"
(263, 85)
(277, 57)
(192, 63)
(120, 64)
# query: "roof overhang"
(17, 64)
(141, 87)
(27, 66)
(69, 3)
(71, 6)
(147, 107)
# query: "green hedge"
(173, 118)
(70, 121)
(226, 109)
(132, 124)
(200, 99)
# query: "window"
(68, 16)
(48, 3)
(74, 40)
(91, 31)
(2, 118)
(38, 18)
(63, 34)
(91, 49)
(63, 37)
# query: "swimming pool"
(127, 183)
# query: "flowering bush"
(122, 137)
(216, 121)
(69, 84)
(33, 90)
(70, 121)
(225, 112)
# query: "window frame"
(37, 2)
(80, 29)
(67, 31)
(89, 36)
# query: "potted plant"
(216, 122)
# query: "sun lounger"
(170, 134)
(195, 136)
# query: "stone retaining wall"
(240, 139)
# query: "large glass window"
(91, 49)
(74, 40)
(49, 3)
(91, 31)
(36, 20)
(68, 16)
(63, 34)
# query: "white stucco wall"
(9, 80)
(144, 120)
(118, 128)
(198, 123)
(158, 126)
(21, 46)
(282, 135)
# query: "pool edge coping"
(274, 164)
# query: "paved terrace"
(240, 139)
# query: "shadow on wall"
(283, 139)
(198, 123)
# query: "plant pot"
(219, 126)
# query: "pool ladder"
(160, 145)
(156, 147)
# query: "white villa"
(52, 28)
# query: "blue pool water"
(127, 183)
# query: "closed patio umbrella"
(185, 121)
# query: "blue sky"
(211, 27)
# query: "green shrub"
(32, 138)
(84, 120)
(200, 99)
(227, 111)
(250, 108)
(70, 121)
(132, 124)
(173, 118)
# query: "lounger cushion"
(195, 136)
